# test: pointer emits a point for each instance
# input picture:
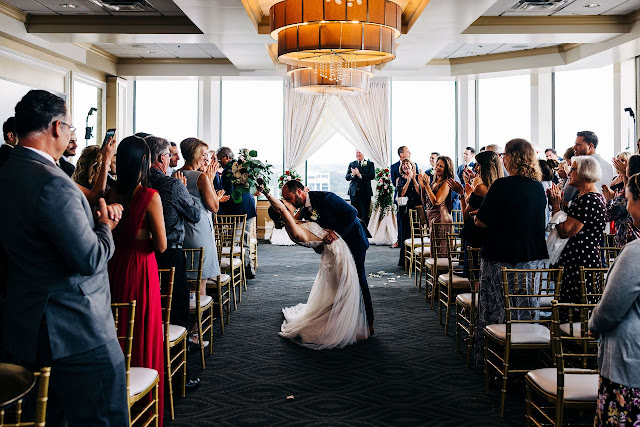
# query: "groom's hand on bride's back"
(329, 237)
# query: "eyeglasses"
(166, 154)
(71, 128)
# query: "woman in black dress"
(583, 227)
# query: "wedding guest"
(174, 159)
(438, 199)
(625, 229)
(583, 227)
(586, 145)
(433, 158)
(200, 185)
(551, 153)
(468, 156)
(133, 270)
(513, 213)
(10, 139)
(56, 303)
(409, 188)
(246, 206)
(615, 321)
(403, 153)
(70, 151)
(88, 166)
(359, 174)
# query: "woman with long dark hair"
(133, 270)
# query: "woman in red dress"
(133, 271)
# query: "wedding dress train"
(334, 314)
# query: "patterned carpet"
(408, 373)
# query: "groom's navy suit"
(337, 215)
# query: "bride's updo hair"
(278, 223)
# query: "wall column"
(466, 117)
(623, 97)
(209, 111)
(541, 111)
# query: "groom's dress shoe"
(192, 384)
(371, 330)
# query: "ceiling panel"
(499, 7)
(471, 49)
(212, 50)
(626, 7)
(28, 6)
(580, 7)
(577, 7)
(87, 7)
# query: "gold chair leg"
(458, 329)
(169, 382)
(211, 329)
(184, 366)
(201, 338)
(220, 306)
(156, 407)
(448, 313)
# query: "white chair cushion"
(465, 299)
(175, 332)
(457, 280)
(418, 251)
(546, 301)
(140, 379)
(418, 242)
(224, 263)
(204, 301)
(566, 329)
(236, 250)
(577, 387)
(223, 279)
(442, 262)
(521, 333)
(253, 241)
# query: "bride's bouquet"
(247, 173)
(288, 176)
(384, 191)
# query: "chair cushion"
(465, 299)
(418, 241)
(140, 379)
(546, 301)
(236, 250)
(175, 332)
(457, 280)
(204, 301)
(442, 262)
(577, 387)
(419, 250)
(521, 333)
(224, 278)
(253, 241)
(224, 263)
(566, 329)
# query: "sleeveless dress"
(201, 234)
(334, 314)
(133, 275)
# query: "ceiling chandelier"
(350, 81)
(335, 38)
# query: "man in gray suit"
(56, 308)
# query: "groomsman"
(360, 173)
(403, 153)
(469, 157)
(70, 151)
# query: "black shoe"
(194, 347)
(250, 274)
(192, 384)
(371, 330)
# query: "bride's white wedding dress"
(334, 314)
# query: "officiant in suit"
(56, 309)
(331, 212)
(360, 173)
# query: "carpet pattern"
(408, 373)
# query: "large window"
(584, 101)
(504, 110)
(252, 117)
(167, 108)
(86, 97)
(327, 167)
(423, 119)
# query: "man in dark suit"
(10, 139)
(334, 214)
(56, 311)
(469, 156)
(360, 173)
(70, 151)
(403, 153)
(246, 206)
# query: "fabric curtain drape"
(301, 115)
(371, 115)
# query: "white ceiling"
(444, 30)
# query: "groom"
(333, 213)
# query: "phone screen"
(110, 134)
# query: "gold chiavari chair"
(573, 382)
(42, 396)
(140, 381)
(415, 241)
(609, 239)
(467, 304)
(221, 285)
(253, 244)
(456, 214)
(525, 327)
(203, 305)
(608, 254)
(453, 282)
(592, 283)
(175, 336)
(438, 261)
(226, 229)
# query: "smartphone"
(110, 134)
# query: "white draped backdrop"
(363, 120)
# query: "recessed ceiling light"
(149, 51)
(139, 46)
(592, 5)
(68, 5)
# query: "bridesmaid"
(133, 271)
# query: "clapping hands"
(620, 165)
(455, 185)
(109, 214)
(180, 177)
(221, 196)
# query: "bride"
(334, 314)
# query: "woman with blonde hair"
(513, 212)
(200, 186)
(88, 166)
